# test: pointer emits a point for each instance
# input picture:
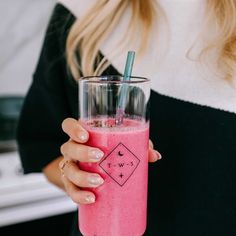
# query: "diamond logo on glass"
(120, 164)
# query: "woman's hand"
(75, 150)
(153, 154)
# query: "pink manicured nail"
(95, 180)
(90, 199)
(82, 136)
(158, 155)
(95, 154)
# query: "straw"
(124, 88)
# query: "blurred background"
(27, 202)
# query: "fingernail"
(83, 135)
(151, 143)
(95, 180)
(90, 199)
(158, 155)
(95, 154)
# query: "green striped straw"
(124, 88)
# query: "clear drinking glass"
(116, 115)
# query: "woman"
(187, 49)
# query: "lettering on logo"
(120, 164)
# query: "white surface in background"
(22, 25)
(27, 197)
(35, 210)
(22, 29)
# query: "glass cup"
(116, 115)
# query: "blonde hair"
(223, 14)
(87, 34)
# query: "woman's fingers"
(75, 151)
(77, 195)
(153, 155)
(72, 177)
(151, 144)
(74, 130)
(80, 152)
(81, 178)
(83, 153)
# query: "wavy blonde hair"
(87, 34)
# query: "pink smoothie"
(121, 202)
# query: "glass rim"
(89, 79)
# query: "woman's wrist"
(53, 173)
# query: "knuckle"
(68, 168)
(62, 178)
(151, 144)
(65, 123)
(61, 163)
(76, 197)
(77, 177)
(70, 189)
(82, 179)
(81, 152)
(63, 148)
(67, 148)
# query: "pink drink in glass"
(121, 202)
